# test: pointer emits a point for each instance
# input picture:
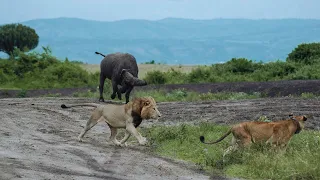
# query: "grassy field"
(299, 161)
(144, 68)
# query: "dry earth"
(38, 138)
(38, 141)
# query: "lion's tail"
(100, 54)
(70, 106)
(220, 139)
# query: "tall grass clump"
(299, 161)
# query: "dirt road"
(38, 138)
(39, 142)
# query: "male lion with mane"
(277, 133)
(128, 116)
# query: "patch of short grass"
(176, 95)
(299, 161)
(184, 95)
(162, 95)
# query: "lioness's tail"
(220, 139)
(70, 106)
(100, 54)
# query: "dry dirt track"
(38, 138)
(39, 142)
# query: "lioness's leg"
(126, 137)
(229, 150)
(132, 130)
(94, 119)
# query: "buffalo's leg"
(123, 88)
(129, 89)
(102, 79)
(115, 89)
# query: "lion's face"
(149, 109)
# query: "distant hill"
(176, 41)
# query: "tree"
(305, 53)
(17, 36)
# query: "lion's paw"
(124, 144)
(80, 139)
(117, 143)
(143, 141)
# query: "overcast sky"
(110, 10)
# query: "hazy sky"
(110, 10)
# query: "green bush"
(305, 54)
(242, 65)
(42, 70)
(155, 77)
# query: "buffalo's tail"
(100, 54)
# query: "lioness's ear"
(305, 118)
(290, 115)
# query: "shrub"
(305, 53)
(241, 65)
(155, 77)
(199, 75)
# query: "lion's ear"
(291, 114)
(146, 103)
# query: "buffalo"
(122, 70)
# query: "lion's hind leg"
(94, 119)
(125, 138)
(114, 132)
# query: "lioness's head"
(146, 107)
(298, 118)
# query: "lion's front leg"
(132, 130)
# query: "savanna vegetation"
(302, 63)
(299, 161)
(35, 70)
(42, 70)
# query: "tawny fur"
(277, 133)
(128, 116)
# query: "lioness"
(128, 116)
(276, 133)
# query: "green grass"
(184, 95)
(178, 95)
(299, 161)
